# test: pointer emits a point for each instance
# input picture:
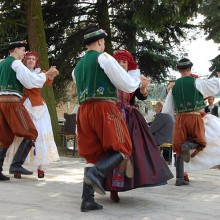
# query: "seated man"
(211, 108)
(162, 126)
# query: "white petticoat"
(45, 147)
(210, 156)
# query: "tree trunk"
(37, 43)
(104, 23)
(131, 43)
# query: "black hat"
(184, 64)
(12, 45)
(93, 34)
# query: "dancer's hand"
(52, 72)
(170, 86)
(145, 81)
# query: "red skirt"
(150, 168)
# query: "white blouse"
(26, 78)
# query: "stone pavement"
(58, 197)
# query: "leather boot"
(96, 174)
(19, 158)
(180, 172)
(186, 147)
(3, 151)
(88, 202)
(174, 156)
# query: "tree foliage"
(26, 21)
(211, 10)
(150, 29)
(150, 40)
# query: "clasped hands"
(145, 81)
(52, 72)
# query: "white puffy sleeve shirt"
(26, 77)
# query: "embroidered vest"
(9, 82)
(185, 95)
(91, 80)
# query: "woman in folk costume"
(45, 150)
(150, 169)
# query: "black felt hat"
(184, 64)
(14, 44)
(93, 34)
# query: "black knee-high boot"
(88, 202)
(186, 147)
(19, 158)
(96, 174)
(3, 151)
(180, 172)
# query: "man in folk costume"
(103, 138)
(211, 108)
(186, 99)
(45, 150)
(14, 118)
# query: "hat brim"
(93, 39)
(12, 46)
(182, 67)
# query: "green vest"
(8, 80)
(91, 80)
(185, 95)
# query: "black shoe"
(88, 202)
(17, 176)
(40, 174)
(3, 177)
(114, 196)
(19, 170)
(181, 182)
(90, 205)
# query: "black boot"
(3, 151)
(88, 202)
(19, 158)
(186, 147)
(96, 174)
(180, 172)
